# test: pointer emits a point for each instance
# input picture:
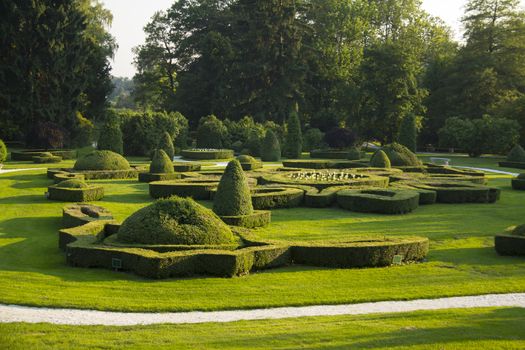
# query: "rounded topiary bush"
(244, 158)
(166, 144)
(102, 160)
(3, 152)
(354, 154)
(516, 154)
(161, 163)
(177, 221)
(380, 160)
(399, 155)
(73, 183)
(233, 196)
(271, 149)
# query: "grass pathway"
(15, 313)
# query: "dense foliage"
(516, 154)
(408, 132)
(399, 155)
(233, 194)
(166, 144)
(340, 138)
(294, 139)
(211, 133)
(271, 148)
(380, 160)
(3, 151)
(110, 137)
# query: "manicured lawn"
(462, 259)
(451, 329)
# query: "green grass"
(462, 260)
(438, 330)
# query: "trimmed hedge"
(258, 218)
(46, 158)
(293, 144)
(161, 163)
(75, 194)
(518, 183)
(110, 138)
(102, 160)
(63, 176)
(380, 201)
(380, 160)
(175, 221)
(3, 151)
(271, 148)
(233, 196)
(323, 164)
(400, 155)
(516, 165)
(107, 174)
(210, 154)
(329, 154)
(276, 197)
(511, 242)
(480, 180)
(79, 214)
(186, 167)
(516, 154)
(426, 197)
(249, 163)
(195, 188)
(29, 154)
(149, 177)
(166, 144)
(458, 192)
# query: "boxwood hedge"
(323, 164)
(63, 176)
(210, 154)
(511, 242)
(257, 218)
(46, 157)
(81, 193)
(458, 192)
(276, 197)
(329, 154)
(79, 214)
(186, 167)
(382, 201)
(518, 183)
(25, 155)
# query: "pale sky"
(130, 16)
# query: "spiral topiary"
(516, 154)
(380, 160)
(102, 160)
(177, 221)
(271, 149)
(166, 144)
(399, 155)
(161, 163)
(3, 152)
(233, 196)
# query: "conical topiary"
(294, 139)
(399, 155)
(166, 144)
(271, 149)
(161, 163)
(380, 160)
(517, 154)
(233, 196)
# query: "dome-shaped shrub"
(354, 154)
(175, 220)
(233, 196)
(380, 160)
(161, 163)
(244, 158)
(399, 155)
(271, 149)
(102, 160)
(3, 152)
(516, 154)
(73, 183)
(166, 144)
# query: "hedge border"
(207, 155)
(516, 165)
(506, 244)
(451, 192)
(277, 197)
(87, 194)
(196, 190)
(150, 177)
(62, 176)
(27, 155)
(186, 167)
(381, 201)
(79, 214)
(107, 174)
(518, 184)
(259, 218)
(323, 164)
(84, 247)
(46, 159)
(480, 180)
(329, 154)
(251, 166)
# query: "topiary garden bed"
(382, 201)
(75, 191)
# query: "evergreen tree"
(294, 140)
(408, 132)
(211, 132)
(271, 149)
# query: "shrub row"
(516, 165)
(329, 154)
(197, 189)
(360, 179)
(380, 201)
(84, 248)
(277, 197)
(108, 174)
(518, 183)
(79, 214)
(323, 164)
(207, 154)
(149, 177)
(481, 180)
(458, 192)
(87, 194)
(258, 218)
(29, 154)
(47, 158)
(506, 244)
(426, 197)
(186, 167)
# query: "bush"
(233, 196)
(166, 144)
(478, 136)
(399, 155)
(354, 154)
(72, 183)
(141, 130)
(511, 242)
(380, 160)
(150, 177)
(313, 139)
(3, 152)
(379, 201)
(516, 154)
(518, 183)
(211, 133)
(197, 189)
(271, 149)
(175, 221)
(258, 218)
(110, 138)
(340, 138)
(294, 139)
(46, 157)
(205, 154)
(102, 160)
(248, 162)
(83, 131)
(254, 142)
(186, 166)
(75, 191)
(161, 163)
(62, 176)
(408, 132)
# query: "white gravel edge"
(6, 171)
(15, 313)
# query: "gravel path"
(5, 171)
(15, 313)
(489, 170)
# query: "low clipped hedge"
(276, 197)
(511, 242)
(26, 155)
(85, 247)
(323, 164)
(258, 218)
(209, 154)
(101, 161)
(518, 183)
(108, 174)
(516, 165)
(79, 214)
(186, 167)
(380, 201)
(196, 188)
(149, 177)
(63, 176)
(426, 197)
(46, 158)
(481, 180)
(249, 163)
(458, 192)
(75, 194)
(329, 154)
